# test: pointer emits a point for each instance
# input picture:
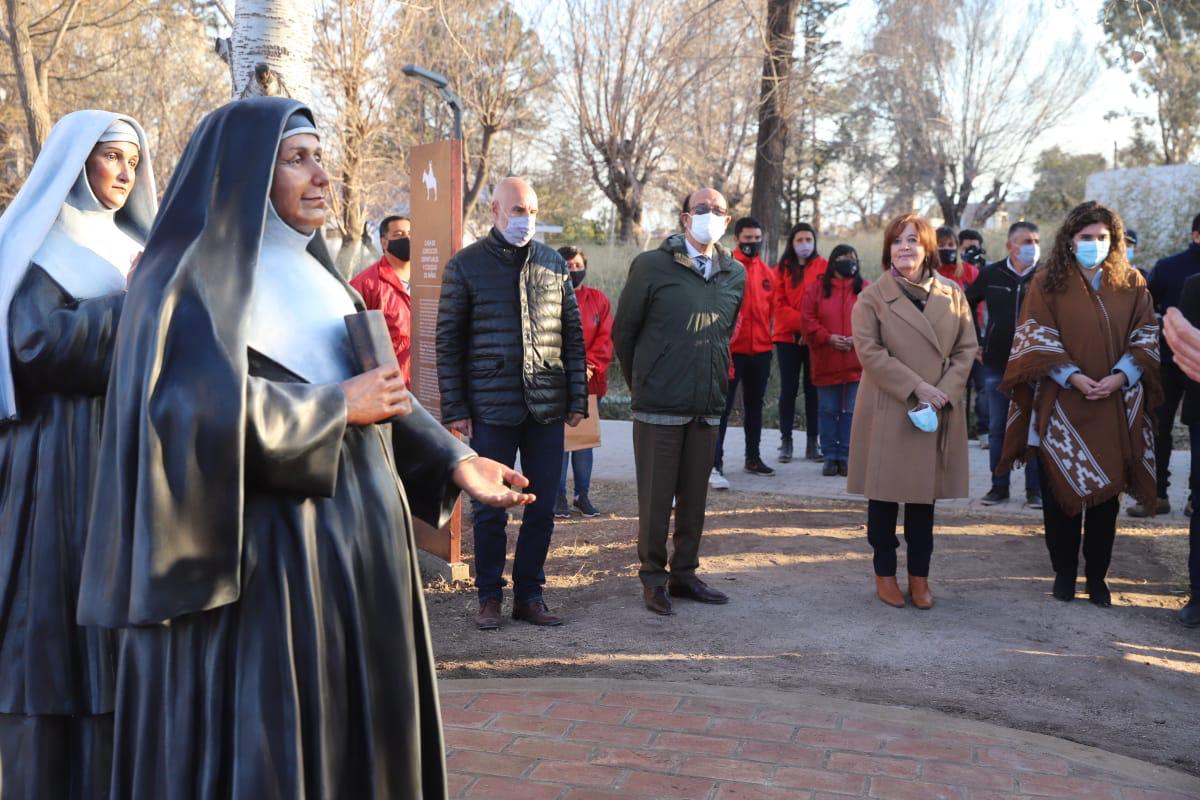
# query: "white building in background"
(1158, 202)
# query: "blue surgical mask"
(1029, 254)
(519, 231)
(1090, 253)
(1129, 254)
(924, 418)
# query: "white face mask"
(804, 249)
(519, 230)
(708, 228)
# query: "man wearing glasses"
(671, 332)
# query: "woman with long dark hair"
(798, 268)
(836, 371)
(1083, 373)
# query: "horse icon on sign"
(430, 181)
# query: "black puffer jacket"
(509, 339)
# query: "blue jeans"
(982, 412)
(997, 419)
(582, 459)
(540, 447)
(835, 410)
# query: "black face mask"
(845, 268)
(750, 249)
(948, 255)
(400, 248)
(577, 277)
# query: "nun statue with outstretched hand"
(67, 244)
(254, 536)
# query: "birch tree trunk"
(280, 34)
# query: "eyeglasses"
(705, 208)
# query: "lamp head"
(435, 79)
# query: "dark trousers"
(1098, 526)
(672, 462)
(753, 372)
(794, 363)
(918, 535)
(997, 419)
(1194, 526)
(540, 447)
(982, 407)
(1174, 384)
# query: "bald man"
(511, 369)
(671, 332)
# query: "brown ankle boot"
(889, 591)
(918, 592)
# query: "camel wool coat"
(899, 347)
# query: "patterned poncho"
(1091, 450)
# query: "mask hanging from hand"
(924, 418)
(577, 277)
(519, 231)
(400, 248)
(1090, 253)
(750, 249)
(708, 228)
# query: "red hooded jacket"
(596, 314)
(822, 316)
(381, 289)
(752, 331)
(789, 299)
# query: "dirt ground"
(803, 616)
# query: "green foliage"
(1059, 187)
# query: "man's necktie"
(701, 263)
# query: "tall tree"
(36, 32)
(955, 81)
(774, 111)
(1060, 181)
(629, 82)
(1162, 41)
(278, 34)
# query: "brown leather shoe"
(488, 618)
(657, 601)
(535, 612)
(697, 590)
(889, 591)
(918, 592)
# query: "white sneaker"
(717, 480)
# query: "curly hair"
(925, 235)
(1061, 262)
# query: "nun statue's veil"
(56, 222)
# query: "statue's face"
(112, 171)
(300, 183)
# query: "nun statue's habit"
(64, 257)
(256, 547)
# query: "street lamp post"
(437, 80)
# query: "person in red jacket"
(799, 267)
(595, 312)
(825, 324)
(384, 285)
(751, 349)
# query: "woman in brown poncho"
(1083, 377)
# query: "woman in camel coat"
(915, 337)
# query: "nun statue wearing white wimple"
(67, 244)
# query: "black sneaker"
(994, 496)
(1033, 499)
(1064, 587)
(785, 451)
(585, 506)
(1189, 615)
(830, 469)
(844, 469)
(812, 452)
(755, 466)
(562, 509)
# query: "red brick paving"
(678, 744)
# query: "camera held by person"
(975, 254)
